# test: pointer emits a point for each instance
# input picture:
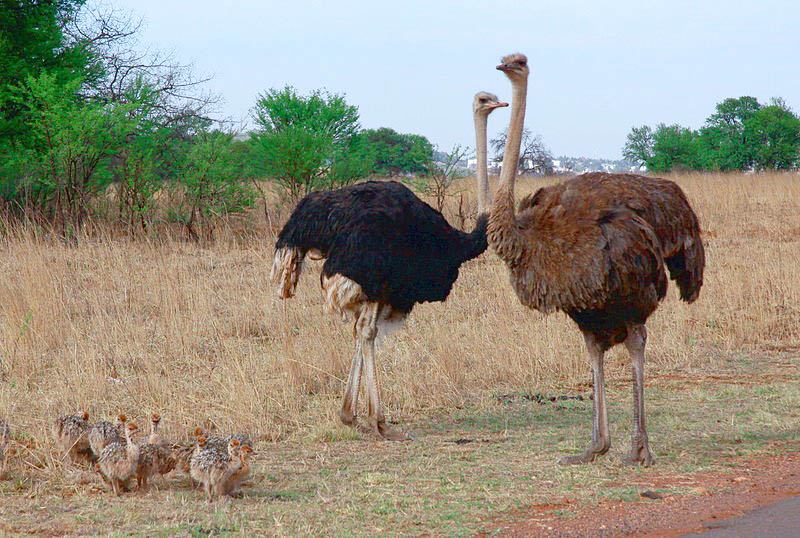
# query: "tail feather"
(686, 267)
(286, 268)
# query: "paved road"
(778, 520)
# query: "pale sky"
(597, 68)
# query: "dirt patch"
(711, 496)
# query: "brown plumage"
(234, 482)
(165, 459)
(213, 467)
(183, 451)
(659, 202)
(146, 464)
(155, 455)
(595, 247)
(70, 433)
(119, 459)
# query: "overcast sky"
(597, 68)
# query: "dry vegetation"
(194, 332)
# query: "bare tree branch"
(534, 157)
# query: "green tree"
(724, 139)
(72, 145)
(309, 142)
(395, 153)
(211, 184)
(32, 42)
(674, 147)
(638, 148)
(774, 132)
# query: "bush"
(211, 185)
(305, 143)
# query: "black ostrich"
(385, 250)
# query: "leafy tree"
(32, 43)
(307, 142)
(72, 143)
(395, 153)
(775, 134)
(724, 136)
(639, 146)
(674, 147)
(741, 135)
(211, 183)
(534, 157)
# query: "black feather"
(399, 249)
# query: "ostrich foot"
(640, 453)
(588, 456)
(388, 433)
(347, 418)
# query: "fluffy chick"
(104, 432)
(212, 467)
(70, 433)
(119, 459)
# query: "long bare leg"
(640, 447)
(350, 401)
(376, 417)
(601, 441)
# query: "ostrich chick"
(70, 433)
(104, 432)
(165, 459)
(213, 467)
(222, 442)
(234, 482)
(183, 451)
(154, 456)
(119, 459)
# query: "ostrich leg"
(640, 447)
(600, 439)
(350, 401)
(376, 417)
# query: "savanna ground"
(194, 332)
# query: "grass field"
(194, 332)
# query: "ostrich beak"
(504, 67)
(497, 105)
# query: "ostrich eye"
(482, 99)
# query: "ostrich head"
(485, 102)
(515, 66)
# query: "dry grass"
(195, 333)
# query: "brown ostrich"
(385, 250)
(595, 247)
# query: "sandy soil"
(712, 496)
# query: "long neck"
(504, 234)
(129, 444)
(482, 171)
(153, 439)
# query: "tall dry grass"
(195, 333)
